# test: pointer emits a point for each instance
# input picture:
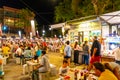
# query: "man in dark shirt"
(96, 47)
(95, 52)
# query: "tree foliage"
(70, 9)
(74, 5)
(85, 8)
(104, 6)
(26, 16)
(63, 11)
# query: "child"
(63, 71)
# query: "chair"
(4, 60)
(24, 69)
(44, 76)
(53, 71)
(2, 76)
(1, 69)
(17, 60)
(24, 77)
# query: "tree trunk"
(27, 30)
(95, 5)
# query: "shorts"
(67, 57)
(95, 59)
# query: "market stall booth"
(110, 33)
(83, 29)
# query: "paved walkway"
(13, 71)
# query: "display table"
(32, 64)
(107, 58)
(79, 77)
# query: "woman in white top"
(76, 53)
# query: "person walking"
(95, 52)
(67, 52)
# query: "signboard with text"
(89, 26)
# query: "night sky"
(44, 9)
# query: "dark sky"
(44, 9)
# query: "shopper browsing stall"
(86, 53)
(95, 52)
(67, 52)
(76, 53)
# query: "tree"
(26, 16)
(71, 9)
(100, 5)
(113, 6)
(1, 15)
(104, 6)
(75, 5)
(85, 8)
(63, 11)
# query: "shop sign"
(89, 26)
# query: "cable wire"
(34, 11)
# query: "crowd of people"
(91, 55)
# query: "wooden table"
(107, 58)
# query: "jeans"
(86, 59)
(76, 56)
(118, 62)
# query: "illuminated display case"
(110, 44)
(73, 36)
(113, 42)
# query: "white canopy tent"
(60, 25)
(111, 18)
